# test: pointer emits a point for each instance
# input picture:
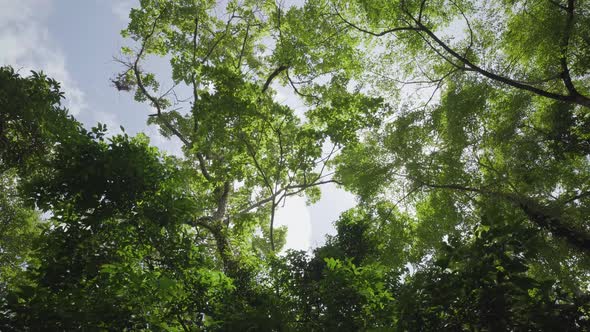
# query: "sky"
(74, 41)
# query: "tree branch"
(243, 47)
(223, 193)
(252, 154)
(565, 74)
(146, 93)
(272, 221)
(272, 75)
(580, 100)
(534, 211)
(258, 204)
(573, 95)
(218, 40)
(297, 90)
(372, 33)
(155, 102)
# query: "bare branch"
(284, 191)
(439, 53)
(573, 95)
(272, 221)
(218, 40)
(146, 93)
(313, 184)
(193, 74)
(576, 197)
(156, 104)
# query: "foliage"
(472, 197)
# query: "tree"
(232, 129)
(170, 242)
(473, 197)
(510, 122)
(539, 48)
(251, 152)
(486, 284)
(502, 136)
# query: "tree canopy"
(461, 126)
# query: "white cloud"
(296, 217)
(26, 45)
(327, 210)
(171, 146)
(109, 119)
(122, 8)
(286, 96)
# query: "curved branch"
(573, 95)
(468, 27)
(258, 204)
(146, 93)
(272, 75)
(304, 95)
(576, 99)
(156, 103)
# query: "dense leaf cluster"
(473, 198)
